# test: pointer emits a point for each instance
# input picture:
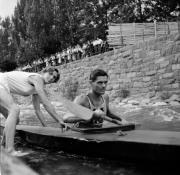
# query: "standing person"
(25, 84)
(96, 100)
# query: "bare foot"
(18, 153)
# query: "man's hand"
(124, 122)
(44, 124)
(63, 126)
(97, 114)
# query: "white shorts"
(4, 82)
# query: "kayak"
(124, 143)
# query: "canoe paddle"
(76, 109)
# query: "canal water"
(46, 162)
(59, 163)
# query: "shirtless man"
(96, 100)
(25, 84)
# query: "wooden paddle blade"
(76, 109)
(112, 120)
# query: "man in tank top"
(25, 84)
(96, 100)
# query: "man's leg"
(4, 112)
(7, 102)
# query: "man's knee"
(14, 111)
(3, 111)
(15, 108)
(18, 120)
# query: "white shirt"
(17, 82)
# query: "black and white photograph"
(89, 87)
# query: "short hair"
(51, 70)
(96, 73)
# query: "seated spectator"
(105, 47)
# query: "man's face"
(99, 85)
(50, 77)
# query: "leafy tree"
(122, 11)
(7, 46)
(8, 65)
(40, 28)
(161, 10)
(142, 10)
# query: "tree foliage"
(44, 27)
(7, 46)
(40, 28)
(142, 10)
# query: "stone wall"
(145, 68)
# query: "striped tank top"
(102, 107)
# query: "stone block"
(142, 54)
(116, 86)
(167, 50)
(176, 49)
(114, 77)
(124, 80)
(127, 53)
(174, 97)
(167, 87)
(161, 71)
(145, 101)
(164, 64)
(147, 84)
(176, 85)
(130, 63)
(134, 102)
(174, 103)
(168, 75)
(111, 63)
(153, 72)
(159, 103)
(176, 59)
(109, 88)
(159, 60)
(145, 79)
(131, 74)
(175, 66)
(168, 81)
(169, 68)
(138, 84)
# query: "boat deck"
(140, 136)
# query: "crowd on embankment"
(69, 55)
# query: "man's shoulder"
(106, 96)
(80, 99)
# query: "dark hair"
(96, 73)
(51, 70)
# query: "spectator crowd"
(71, 54)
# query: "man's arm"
(36, 104)
(39, 86)
(112, 114)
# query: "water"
(54, 163)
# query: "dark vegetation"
(40, 28)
